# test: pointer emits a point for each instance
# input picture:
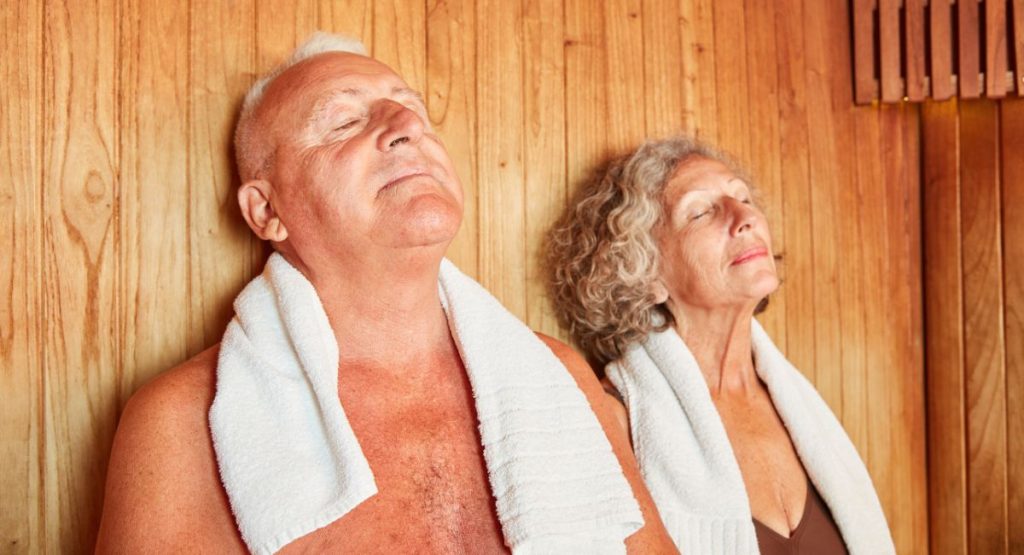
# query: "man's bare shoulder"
(163, 489)
(652, 538)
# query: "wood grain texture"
(969, 48)
(1017, 48)
(1012, 142)
(125, 208)
(451, 102)
(941, 49)
(81, 309)
(943, 289)
(544, 147)
(983, 328)
(22, 516)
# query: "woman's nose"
(744, 216)
(400, 126)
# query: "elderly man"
(457, 431)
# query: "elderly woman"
(659, 267)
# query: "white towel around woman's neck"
(688, 463)
(291, 464)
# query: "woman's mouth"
(750, 254)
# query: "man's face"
(356, 164)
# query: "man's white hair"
(252, 152)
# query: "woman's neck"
(719, 339)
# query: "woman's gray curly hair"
(602, 255)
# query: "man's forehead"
(333, 74)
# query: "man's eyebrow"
(406, 91)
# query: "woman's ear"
(254, 200)
(659, 291)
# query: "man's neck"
(384, 311)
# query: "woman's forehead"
(700, 173)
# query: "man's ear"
(254, 200)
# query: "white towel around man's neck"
(688, 463)
(291, 464)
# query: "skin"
(717, 265)
(362, 198)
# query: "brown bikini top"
(815, 534)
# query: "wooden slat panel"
(797, 267)
(889, 45)
(731, 79)
(663, 68)
(586, 107)
(223, 253)
(544, 148)
(451, 101)
(399, 39)
(765, 153)
(865, 86)
(969, 47)
(623, 28)
(983, 333)
(904, 386)
(499, 94)
(947, 457)
(281, 25)
(941, 44)
(352, 17)
(700, 100)
(82, 358)
(1012, 139)
(1018, 44)
(915, 50)
(21, 378)
(995, 49)
(827, 139)
(154, 198)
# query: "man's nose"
(400, 125)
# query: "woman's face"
(715, 246)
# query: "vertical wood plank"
(995, 49)
(352, 17)
(224, 254)
(451, 102)
(944, 353)
(889, 46)
(585, 94)
(154, 200)
(623, 32)
(281, 25)
(765, 156)
(905, 387)
(400, 40)
(797, 264)
(22, 519)
(983, 328)
(865, 86)
(1012, 143)
(700, 94)
(499, 93)
(82, 361)
(544, 146)
(825, 135)
(663, 68)
(1018, 45)
(941, 45)
(915, 50)
(731, 80)
(969, 47)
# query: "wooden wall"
(974, 297)
(124, 247)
